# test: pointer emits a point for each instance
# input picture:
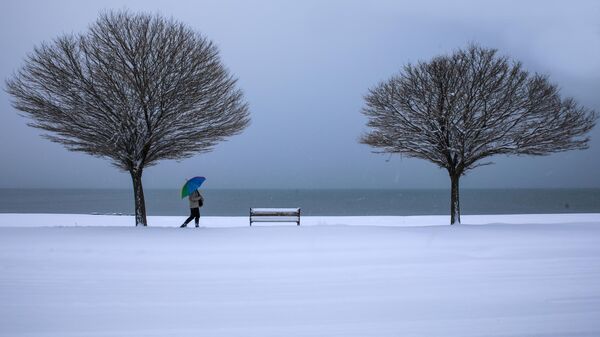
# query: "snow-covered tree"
(135, 89)
(460, 109)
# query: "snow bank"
(62, 220)
(524, 275)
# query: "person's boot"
(183, 226)
(197, 225)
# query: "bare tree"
(460, 109)
(135, 88)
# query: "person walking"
(196, 201)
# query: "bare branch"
(473, 104)
(134, 88)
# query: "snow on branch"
(134, 88)
(459, 109)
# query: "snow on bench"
(275, 215)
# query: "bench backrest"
(275, 215)
(275, 211)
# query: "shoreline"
(20, 220)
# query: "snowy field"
(505, 275)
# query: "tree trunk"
(138, 195)
(454, 199)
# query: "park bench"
(275, 215)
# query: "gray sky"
(304, 67)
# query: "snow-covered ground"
(505, 275)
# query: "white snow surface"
(271, 210)
(493, 275)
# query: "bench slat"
(275, 219)
(276, 214)
(274, 210)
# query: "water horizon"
(317, 202)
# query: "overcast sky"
(304, 67)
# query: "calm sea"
(312, 202)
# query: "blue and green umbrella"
(191, 185)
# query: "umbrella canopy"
(191, 185)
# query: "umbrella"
(191, 185)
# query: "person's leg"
(189, 218)
(196, 213)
